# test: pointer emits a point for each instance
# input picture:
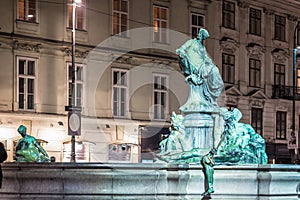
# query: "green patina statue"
(240, 144)
(28, 149)
(205, 133)
(201, 73)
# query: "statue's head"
(203, 34)
(22, 130)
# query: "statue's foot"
(208, 192)
(211, 190)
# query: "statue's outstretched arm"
(181, 50)
(41, 149)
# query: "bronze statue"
(28, 149)
(3, 157)
(201, 73)
(204, 133)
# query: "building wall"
(49, 41)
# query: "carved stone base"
(146, 181)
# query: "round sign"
(74, 122)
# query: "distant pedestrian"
(3, 157)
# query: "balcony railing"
(284, 92)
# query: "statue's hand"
(180, 52)
(195, 79)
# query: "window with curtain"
(120, 90)
(280, 125)
(27, 10)
(26, 68)
(279, 33)
(254, 72)
(298, 80)
(77, 95)
(197, 22)
(228, 14)
(257, 120)
(80, 15)
(255, 21)
(160, 24)
(279, 74)
(120, 17)
(228, 68)
(160, 96)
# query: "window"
(160, 96)
(120, 17)
(280, 125)
(160, 24)
(197, 22)
(298, 34)
(27, 10)
(279, 74)
(76, 95)
(254, 75)
(228, 13)
(255, 21)
(26, 82)
(298, 81)
(257, 120)
(120, 89)
(279, 28)
(228, 68)
(79, 15)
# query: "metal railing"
(284, 92)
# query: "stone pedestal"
(146, 181)
(199, 131)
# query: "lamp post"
(74, 113)
(295, 49)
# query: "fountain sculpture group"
(203, 132)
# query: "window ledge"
(27, 26)
(160, 45)
(121, 37)
(80, 35)
(121, 42)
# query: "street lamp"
(74, 113)
(295, 51)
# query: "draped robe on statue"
(203, 76)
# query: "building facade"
(127, 78)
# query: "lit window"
(120, 17)
(27, 10)
(255, 21)
(280, 125)
(160, 96)
(120, 89)
(279, 28)
(197, 22)
(298, 80)
(76, 95)
(160, 24)
(79, 14)
(257, 120)
(228, 68)
(254, 75)
(228, 13)
(26, 83)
